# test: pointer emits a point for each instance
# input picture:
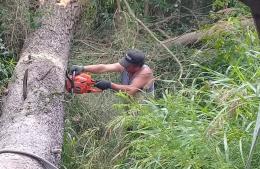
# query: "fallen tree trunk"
(194, 37)
(254, 5)
(31, 120)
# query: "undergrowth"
(7, 64)
(14, 28)
(207, 122)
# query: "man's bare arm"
(137, 84)
(131, 90)
(103, 68)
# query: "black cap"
(133, 56)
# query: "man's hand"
(77, 69)
(103, 85)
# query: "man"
(135, 75)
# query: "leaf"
(254, 141)
(241, 150)
(226, 147)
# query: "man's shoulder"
(146, 69)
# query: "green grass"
(13, 30)
(7, 64)
(206, 123)
(190, 129)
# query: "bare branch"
(196, 36)
(155, 38)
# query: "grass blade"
(254, 141)
(226, 147)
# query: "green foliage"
(220, 4)
(2, 24)
(86, 143)
(7, 63)
(236, 10)
(156, 6)
(230, 53)
(208, 124)
(177, 132)
(34, 19)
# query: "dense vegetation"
(205, 120)
(6, 64)
(14, 27)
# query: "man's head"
(133, 60)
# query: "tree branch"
(167, 19)
(194, 37)
(155, 38)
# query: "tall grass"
(206, 123)
(14, 27)
(7, 63)
(15, 23)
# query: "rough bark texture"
(194, 37)
(32, 116)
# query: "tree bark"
(32, 114)
(255, 10)
(194, 37)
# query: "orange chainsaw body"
(82, 83)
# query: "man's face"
(133, 68)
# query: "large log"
(32, 114)
(197, 36)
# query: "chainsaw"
(80, 84)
